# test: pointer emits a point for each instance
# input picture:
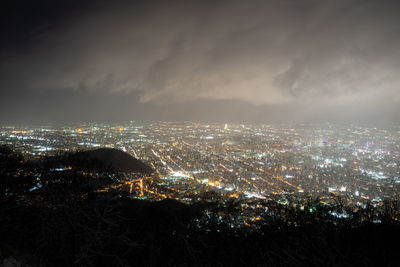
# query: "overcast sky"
(233, 61)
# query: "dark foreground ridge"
(62, 218)
(101, 159)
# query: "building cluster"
(198, 160)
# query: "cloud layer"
(295, 54)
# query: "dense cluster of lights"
(247, 161)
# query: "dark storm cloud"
(271, 60)
(354, 50)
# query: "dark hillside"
(102, 159)
(60, 218)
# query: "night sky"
(227, 61)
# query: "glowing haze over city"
(257, 97)
(225, 61)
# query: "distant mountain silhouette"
(101, 159)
